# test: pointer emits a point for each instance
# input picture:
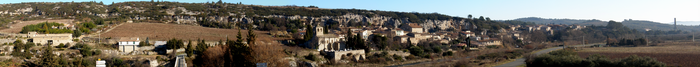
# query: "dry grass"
(17, 27)
(160, 31)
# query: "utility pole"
(583, 40)
(99, 36)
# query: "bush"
(97, 52)
(437, 49)
(415, 50)
(636, 61)
(548, 60)
(397, 57)
(492, 46)
(311, 57)
(448, 53)
(562, 52)
(412, 57)
(60, 45)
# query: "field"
(17, 27)
(672, 55)
(160, 31)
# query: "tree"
(77, 33)
(469, 16)
(201, 47)
(189, 50)
(174, 44)
(47, 58)
(251, 37)
(85, 50)
(309, 33)
(238, 54)
(415, 50)
(481, 18)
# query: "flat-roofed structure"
(128, 44)
(51, 39)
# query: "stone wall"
(355, 54)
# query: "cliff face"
(183, 15)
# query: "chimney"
(674, 24)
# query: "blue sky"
(654, 10)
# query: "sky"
(653, 10)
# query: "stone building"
(52, 39)
(353, 54)
(412, 28)
(323, 41)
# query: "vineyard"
(672, 55)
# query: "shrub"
(548, 60)
(437, 49)
(562, 52)
(397, 57)
(636, 61)
(60, 45)
(311, 57)
(97, 52)
(492, 46)
(412, 57)
(448, 53)
(415, 50)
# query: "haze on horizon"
(652, 10)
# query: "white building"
(128, 44)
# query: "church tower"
(319, 30)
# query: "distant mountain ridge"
(686, 23)
(633, 24)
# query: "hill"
(234, 15)
(686, 23)
(159, 31)
(633, 24)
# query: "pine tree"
(251, 36)
(309, 33)
(239, 37)
(201, 47)
(47, 58)
(189, 49)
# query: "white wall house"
(128, 44)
